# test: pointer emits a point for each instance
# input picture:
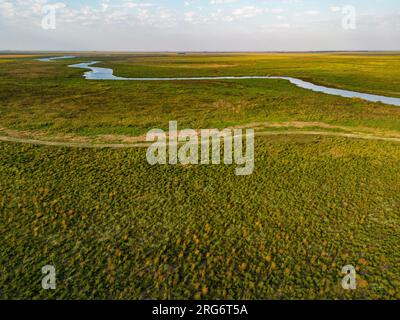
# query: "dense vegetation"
(117, 228)
(51, 99)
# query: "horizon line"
(197, 51)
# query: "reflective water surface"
(55, 58)
(96, 73)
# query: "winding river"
(55, 58)
(97, 73)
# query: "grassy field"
(116, 227)
(51, 99)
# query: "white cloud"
(194, 17)
(312, 12)
(195, 24)
(335, 9)
(277, 10)
(248, 12)
(221, 1)
(7, 8)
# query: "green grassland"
(50, 99)
(378, 74)
(116, 227)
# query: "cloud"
(248, 12)
(312, 12)
(194, 24)
(277, 10)
(7, 9)
(335, 9)
(194, 17)
(222, 1)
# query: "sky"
(200, 25)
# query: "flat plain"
(324, 193)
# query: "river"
(97, 73)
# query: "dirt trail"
(71, 144)
(143, 145)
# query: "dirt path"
(143, 145)
(71, 144)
